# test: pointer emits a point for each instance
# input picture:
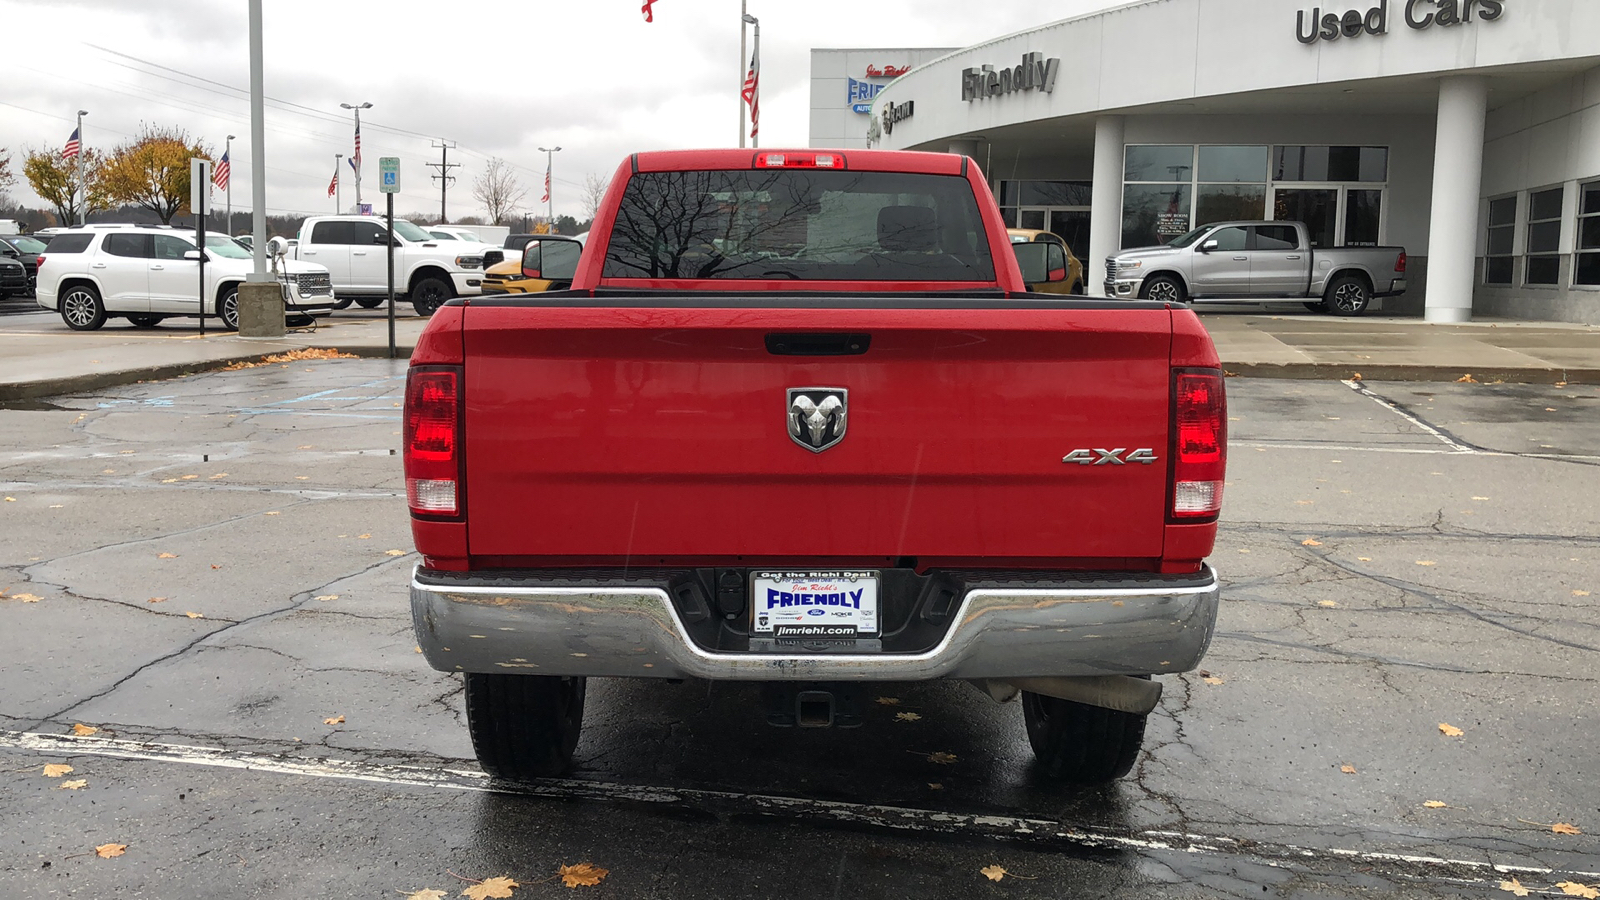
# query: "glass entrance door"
(1317, 207)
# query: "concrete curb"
(1331, 372)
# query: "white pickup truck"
(354, 250)
(1234, 262)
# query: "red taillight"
(1199, 442)
(40, 261)
(799, 161)
(1400, 263)
(433, 440)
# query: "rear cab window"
(803, 225)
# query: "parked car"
(453, 233)
(1074, 282)
(13, 277)
(527, 274)
(710, 460)
(1233, 262)
(427, 270)
(25, 249)
(147, 274)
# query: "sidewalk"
(39, 357)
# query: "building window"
(1544, 236)
(1359, 164)
(1157, 194)
(1587, 269)
(1232, 184)
(1499, 262)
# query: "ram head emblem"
(817, 417)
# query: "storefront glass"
(1154, 213)
(1544, 236)
(1317, 207)
(1587, 268)
(1159, 163)
(1363, 164)
(1227, 202)
(1223, 164)
(1499, 267)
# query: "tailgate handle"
(818, 344)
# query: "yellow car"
(1074, 282)
(525, 274)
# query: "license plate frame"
(824, 603)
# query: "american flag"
(73, 146)
(355, 160)
(546, 197)
(333, 185)
(649, 14)
(220, 176)
(752, 93)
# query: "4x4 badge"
(817, 416)
(1098, 457)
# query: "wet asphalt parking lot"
(207, 570)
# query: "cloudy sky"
(499, 77)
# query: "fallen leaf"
(25, 598)
(272, 513)
(82, 730)
(941, 758)
(219, 475)
(994, 873)
(57, 505)
(363, 537)
(419, 649)
(1449, 730)
(336, 720)
(195, 615)
(215, 566)
(166, 556)
(107, 851)
(1480, 498)
(1467, 379)
(76, 785)
(1212, 679)
(492, 889)
(1575, 889)
(189, 477)
(327, 597)
(169, 481)
(1348, 770)
(935, 786)
(1515, 887)
(1305, 502)
(889, 701)
(11, 499)
(56, 770)
(1549, 409)
(1364, 558)
(1330, 604)
(302, 477)
(425, 894)
(1426, 562)
(1580, 593)
(156, 600)
(1436, 804)
(303, 447)
(1356, 377)
(108, 471)
(394, 553)
(582, 874)
(1564, 828)
(1311, 542)
(906, 717)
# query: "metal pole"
(390, 212)
(338, 183)
(83, 172)
(258, 149)
(744, 15)
(227, 154)
(550, 190)
(755, 139)
(358, 163)
(200, 239)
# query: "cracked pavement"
(213, 561)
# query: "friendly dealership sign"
(1315, 25)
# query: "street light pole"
(358, 107)
(83, 171)
(338, 184)
(744, 19)
(227, 154)
(549, 184)
(755, 89)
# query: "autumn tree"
(152, 171)
(498, 190)
(57, 181)
(594, 191)
(7, 177)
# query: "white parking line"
(1449, 441)
(1475, 873)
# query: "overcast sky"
(499, 77)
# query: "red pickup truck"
(799, 422)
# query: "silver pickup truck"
(1234, 262)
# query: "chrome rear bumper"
(1076, 629)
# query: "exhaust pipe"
(1123, 693)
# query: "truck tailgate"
(654, 433)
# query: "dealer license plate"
(835, 604)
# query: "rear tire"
(82, 309)
(430, 293)
(1348, 296)
(1080, 743)
(524, 726)
(1164, 288)
(370, 302)
(341, 303)
(145, 320)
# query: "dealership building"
(1467, 131)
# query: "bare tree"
(498, 189)
(594, 191)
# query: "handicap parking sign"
(389, 174)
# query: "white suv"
(147, 273)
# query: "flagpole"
(227, 154)
(83, 172)
(549, 192)
(744, 18)
(755, 91)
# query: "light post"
(83, 171)
(549, 189)
(338, 184)
(744, 19)
(755, 62)
(227, 154)
(356, 157)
